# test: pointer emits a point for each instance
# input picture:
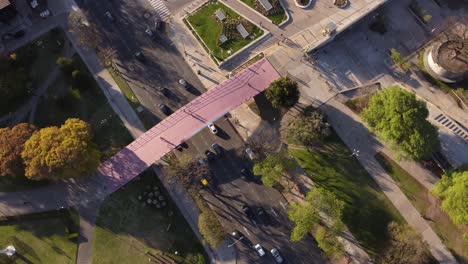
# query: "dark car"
(218, 150)
(150, 33)
(109, 16)
(247, 211)
(164, 109)
(210, 155)
(246, 174)
(164, 91)
(262, 215)
(139, 56)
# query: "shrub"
(210, 228)
(399, 60)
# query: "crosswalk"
(161, 9)
(457, 129)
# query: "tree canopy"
(11, 145)
(63, 152)
(321, 211)
(274, 167)
(305, 217)
(310, 128)
(398, 117)
(187, 171)
(283, 92)
(406, 246)
(453, 190)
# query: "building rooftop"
(219, 13)
(266, 5)
(242, 30)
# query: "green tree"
(406, 246)
(310, 128)
(305, 217)
(67, 65)
(398, 117)
(327, 203)
(283, 92)
(63, 152)
(453, 190)
(210, 228)
(274, 167)
(328, 242)
(11, 145)
(321, 211)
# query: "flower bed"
(303, 3)
(340, 3)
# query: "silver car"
(277, 255)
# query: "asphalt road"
(232, 192)
(163, 65)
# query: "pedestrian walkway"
(160, 9)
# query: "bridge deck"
(184, 123)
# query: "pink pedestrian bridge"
(184, 123)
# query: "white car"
(259, 250)
(277, 255)
(183, 82)
(250, 154)
(213, 128)
(45, 13)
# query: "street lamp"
(355, 153)
(237, 240)
(9, 251)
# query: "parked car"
(247, 211)
(259, 250)
(34, 4)
(213, 128)
(218, 150)
(250, 154)
(277, 255)
(246, 174)
(45, 13)
(109, 16)
(183, 83)
(210, 155)
(139, 56)
(150, 33)
(164, 109)
(164, 91)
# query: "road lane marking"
(273, 211)
(247, 231)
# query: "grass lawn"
(40, 238)
(209, 29)
(276, 18)
(367, 210)
(124, 87)
(127, 232)
(429, 207)
(36, 59)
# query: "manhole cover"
(146, 15)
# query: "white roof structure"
(266, 5)
(223, 38)
(220, 14)
(242, 31)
